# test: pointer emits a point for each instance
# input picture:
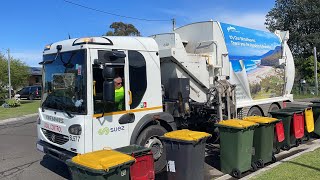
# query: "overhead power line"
(113, 14)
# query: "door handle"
(130, 97)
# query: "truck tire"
(254, 111)
(273, 107)
(149, 137)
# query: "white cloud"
(31, 58)
(254, 20)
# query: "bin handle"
(107, 148)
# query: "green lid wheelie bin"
(287, 116)
(236, 140)
(316, 116)
(263, 139)
(185, 152)
(101, 165)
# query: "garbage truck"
(112, 91)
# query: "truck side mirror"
(108, 74)
(114, 55)
(110, 57)
(108, 91)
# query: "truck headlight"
(75, 129)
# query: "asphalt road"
(19, 158)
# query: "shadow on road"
(55, 166)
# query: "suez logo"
(107, 130)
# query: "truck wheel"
(254, 111)
(149, 137)
(273, 107)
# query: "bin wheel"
(277, 150)
(286, 147)
(260, 163)
(236, 173)
(298, 142)
(149, 138)
(274, 159)
(254, 167)
(307, 138)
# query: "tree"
(122, 29)
(305, 68)
(301, 18)
(19, 73)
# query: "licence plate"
(40, 148)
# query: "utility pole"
(315, 68)
(9, 73)
(173, 24)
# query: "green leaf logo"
(104, 131)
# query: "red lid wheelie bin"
(143, 168)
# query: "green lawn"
(305, 167)
(27, 107)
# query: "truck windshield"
(64, 82)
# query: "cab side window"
(138, 77)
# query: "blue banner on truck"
(255, 58)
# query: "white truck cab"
(78, 113)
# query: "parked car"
(30, 92)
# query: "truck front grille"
(55, 137)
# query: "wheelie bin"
(278, 137)
(236, 140)
(263, 139)
(101, 165)
(309, 120)
(316, 116)
(143, 168)
(185, 152)
(293, 122)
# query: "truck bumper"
(55, 152)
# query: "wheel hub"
(156, 147)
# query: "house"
(35, 76)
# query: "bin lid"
(315, 101)
(102, 159)
(316, 105)
(186, 135)
(261, 120)
(286, 111)
(236, 123)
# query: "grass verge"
(306, 166)
(27, 107)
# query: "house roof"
(35, 71)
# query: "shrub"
(13, 103)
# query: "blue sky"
(27, 26)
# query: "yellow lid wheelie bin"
(316, 116)
(101, 165)
(185, 152)
(236, 140)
